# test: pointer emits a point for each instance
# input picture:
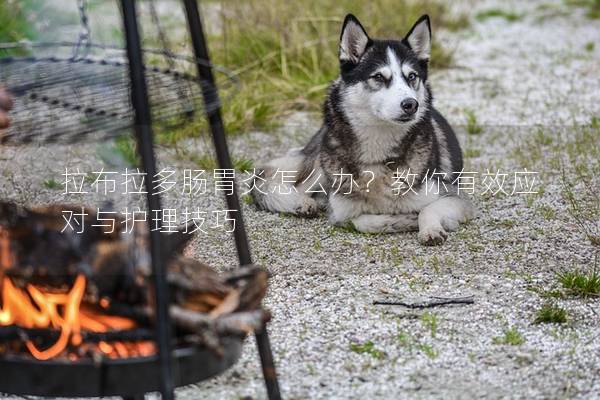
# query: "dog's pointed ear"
(353, 40)
(419, 38)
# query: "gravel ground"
(518, 78)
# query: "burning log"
(40, 251)
(36, 249)
(77, 289)
(14, 332)
(35, 234)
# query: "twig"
(426, 303)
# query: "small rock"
(524, 358)
(533, 235)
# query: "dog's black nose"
(409, 106)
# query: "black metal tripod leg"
(211, 102)
(143, 130)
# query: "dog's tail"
(277, 188)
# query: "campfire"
(67, 295)
(63, 313)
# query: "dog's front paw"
(432, 235)
(308, 209)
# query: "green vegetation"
(286, 53)
(428, 350)
(551, 313)
(13, 22)
(592, 7)
(473, 128)
(546, 211)
(410, 343)
(405, 340)
(208, 162)
(508, 223)
(575, 282)
(126, 147)
(497, 13)
(511, 337)
(590, 46)
(367, 348)
(396, 257)
(542, 138)
(572, 159)
(349, 227)
(52, 184)
(580, 283)
(430, 321)
(583, 163)
(472, 153)
(318, 246)
(547, 293)
(247, 199)
(475, 247)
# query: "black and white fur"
(378, 117)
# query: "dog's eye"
(378, 77)
(412, 77)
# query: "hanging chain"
(169, 56)
(85, 32)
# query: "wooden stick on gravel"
(426, 303)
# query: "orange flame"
(44, 311)
(5, 259)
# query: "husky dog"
(387, 161)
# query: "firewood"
(239, 323)
(14, 332)
(197, 286)
(190, 275)
(254, 290)
(27, 223)
(207, 331)
(204, 304)
(228, 305)
(44, 252)
(242, 322)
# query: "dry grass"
(285, 53)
